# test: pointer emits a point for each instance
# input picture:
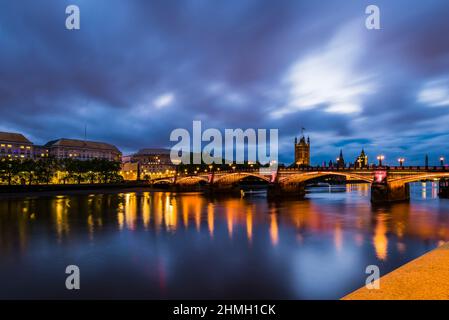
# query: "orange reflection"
(249, 224)
(146, 211)
(338, 237)
(185, 215)
(380, 239)
(171, 214)
(158, 210)
(274, 230)
(61, 216)
(230, 221)
(130, 210)
(90, 225)
(210, 218)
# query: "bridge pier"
(443, 189)
(385, 192)
(291, 190)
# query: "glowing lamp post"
(442, 161)
(401, 162)
(380, 158)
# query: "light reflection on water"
(165, 245)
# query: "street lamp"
(401, 161)
(380, 158)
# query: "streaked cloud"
(142, 68)
(435, 93)
(164, 100)
(328, 77)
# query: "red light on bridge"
(273, 176)
(380, 176)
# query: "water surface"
(164, 245)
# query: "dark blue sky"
(139, 69)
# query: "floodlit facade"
(15, 146)
(82, 150)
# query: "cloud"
(435, 93)
(164, 100)
(328, 78)
(142, 68)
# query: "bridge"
(388, 184)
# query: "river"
(161, 245)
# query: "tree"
(46, 169)
(9, 168)
(28, 167)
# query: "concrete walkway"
(425, 278)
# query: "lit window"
(28, 147)
(22, 147)
(9, 146)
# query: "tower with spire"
(341, 160)
(362, 160)
(302, 151)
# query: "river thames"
(161, 245)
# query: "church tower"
(362, 160)
(341, 160)
(302, 151)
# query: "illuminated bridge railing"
(370, 168)
(323, 169)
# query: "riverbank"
(425, 278)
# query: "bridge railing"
(369, 168)
(320, 168)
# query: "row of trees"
(46, 171)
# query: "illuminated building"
(40, 152)
(302, 152)
(147, 162)
(82, 150)
(15, 146)
(362, 160)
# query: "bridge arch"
(232, 178)
(191, 180)
(303, 177)
(420, 177)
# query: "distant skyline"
(138, 69)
